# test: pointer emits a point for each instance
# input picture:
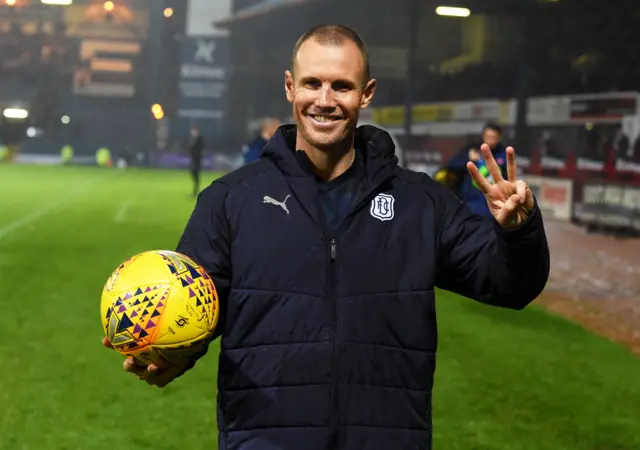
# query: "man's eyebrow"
(344, 81)
(307, 78)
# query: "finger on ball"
(130, 364)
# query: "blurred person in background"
(460, 180)
(196, 148)
(326, 255)
(66, 154)
(103, 157)
(252, 151)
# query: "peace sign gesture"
(510, 201)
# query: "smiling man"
(327, 325)
(328, 85)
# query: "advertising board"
(554, 196)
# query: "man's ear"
(288, 85)
(367, 93)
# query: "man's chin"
(324, 142)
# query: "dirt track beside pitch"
(595, 281)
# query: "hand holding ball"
(159, 308)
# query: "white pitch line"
(13, 226)
(122, 211)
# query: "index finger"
(512, 169)
(491, 163)
(106, 342)
(482, 182)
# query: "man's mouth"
(324, 119)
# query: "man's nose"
(326, 98)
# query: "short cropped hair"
(493, 126)
(334, 35)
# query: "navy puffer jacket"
(329, 339)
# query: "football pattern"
(159, 303)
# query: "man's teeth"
(323, 118)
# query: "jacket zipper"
(336, 373)
(334, 408)
(332, 253)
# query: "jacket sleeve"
(206, 240)
(480, 260)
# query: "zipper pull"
(334, 250)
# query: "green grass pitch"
(505, 380)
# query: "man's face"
(491, 138)
(327, 92)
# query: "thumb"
(529, 203)
(525, 194)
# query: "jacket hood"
(376, 146)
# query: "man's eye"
(341, 87)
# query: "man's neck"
(328, 164)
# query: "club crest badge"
(382, 207)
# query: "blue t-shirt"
(336, 196)
(253, 150)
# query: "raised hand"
(510, 201)
(153, 374)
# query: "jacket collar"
(376, 146)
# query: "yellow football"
(159, 305)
